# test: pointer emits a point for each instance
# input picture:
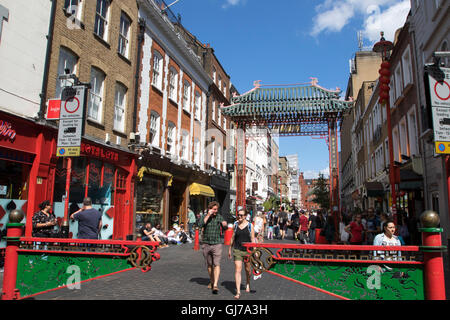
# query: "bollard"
(432, 252)
(197, 240)
(228, 235)
(14, 232)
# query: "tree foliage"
(321, 192)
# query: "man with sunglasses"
(211, 224)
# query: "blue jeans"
(312, 235)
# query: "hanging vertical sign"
(71, 121)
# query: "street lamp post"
(384, 47)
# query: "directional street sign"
(71, 121)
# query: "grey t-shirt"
(88, 221)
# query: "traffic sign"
(441, 123)
(440, 91)
(72, 105)
(71, 121)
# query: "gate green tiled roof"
(305, 101)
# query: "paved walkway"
(181, 275)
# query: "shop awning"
(155, 172)
(196, 189)
(374, 189)
(409, 180)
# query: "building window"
(186, 97)
(407, 72)
(173, 80)
(212, 148)
(119, 107)
(213, 111)
(197, 106)
(95, 106)
(154, 129)
(197, 151)
(412, 128)
(219, 114)
(67, 61)
(101, 19)
(171, 138)
(214, 75)
(73, 8)
(124, 31)
(157, 70)
(398, 81)
(219, 156)
(220, 83)
(184, 145)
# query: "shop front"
(151, 191)
(25, 167)
(107, 176)
(221, 186)
(199, 197)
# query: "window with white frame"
(219, 115)
(224, 123)
(197, 106)
(214, 75)
(95, 105)
(184, 145)
(119, 107)
(396, 144)
(212, 148)
(67, 61)
(171, 134)
(398, 81)
(392, 95)
(157, 70)
(124, 35)
(412, 132)
(407, 67)
(101, 19)
(154, 128)
(74, 8)
(187, 96)
(386, 152)
(403, 138)
(219, 156)
(220, 83)
(173, 84)
(213, 111)
(197, 151)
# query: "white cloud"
(378, 15)
(230, 3)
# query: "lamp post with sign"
(385, 47)
(70, 132)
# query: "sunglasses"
(241, 215)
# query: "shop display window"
(13, 180)
(149, 199)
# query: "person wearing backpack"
(243, 232)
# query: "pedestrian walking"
(191, 221)
(312, 228)
(356, 230)
(303, 229)
(295, 223)
(283, 220)
(212, 223)
(243, 232)
(259, 227)
(387, 238)
(89, 220)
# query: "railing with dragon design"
(346, 271)
(37, 265)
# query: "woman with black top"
(44, 221)
(243, 232)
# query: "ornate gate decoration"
(303, 110)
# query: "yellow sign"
(442, 147)
(68, 151)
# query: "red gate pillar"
(14, 232)
(432, 252)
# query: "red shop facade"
(30, 173)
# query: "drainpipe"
(43, 94)
(138, 65)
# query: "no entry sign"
(440, 107)
(440, 91)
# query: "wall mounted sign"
(7, 131)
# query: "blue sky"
(290, 41)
